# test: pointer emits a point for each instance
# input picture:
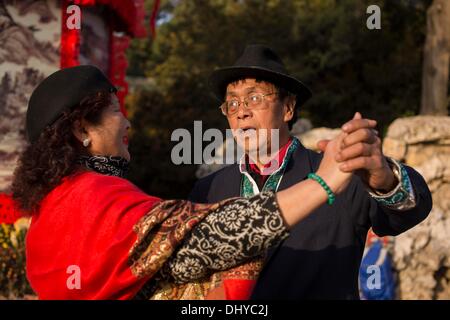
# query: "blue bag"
(376, 280)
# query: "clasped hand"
(356, 150)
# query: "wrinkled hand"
(361, 153)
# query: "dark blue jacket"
(321, 257)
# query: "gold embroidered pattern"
(161, 230)
(209, 288)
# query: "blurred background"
(160, 54)
(324, 43)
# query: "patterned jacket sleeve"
(230, 235)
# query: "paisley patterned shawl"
(156, 245)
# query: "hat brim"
(219, 80)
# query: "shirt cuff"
(402, 197)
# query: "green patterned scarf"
(249, 187)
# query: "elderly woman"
(94, 235)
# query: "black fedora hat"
(259, 62)
(60, 91)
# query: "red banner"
(153, 18)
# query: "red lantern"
(126, 21)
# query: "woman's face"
(110, 136)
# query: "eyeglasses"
(252, 101)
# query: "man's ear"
(79, 131)
(289, 108)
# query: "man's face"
(270, 114)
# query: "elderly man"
(321, 257)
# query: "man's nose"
(243, 112)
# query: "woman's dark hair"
(43, 164)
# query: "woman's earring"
(86, 142)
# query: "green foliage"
(13, 280)
(325, 43)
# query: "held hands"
(359, 151)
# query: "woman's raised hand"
(329, 170)
(300, 200)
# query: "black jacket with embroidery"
(321, 257)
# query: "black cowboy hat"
(259, 62)
(60, 91)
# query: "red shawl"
(86, 224)
(107, 236)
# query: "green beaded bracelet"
(331, 196)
